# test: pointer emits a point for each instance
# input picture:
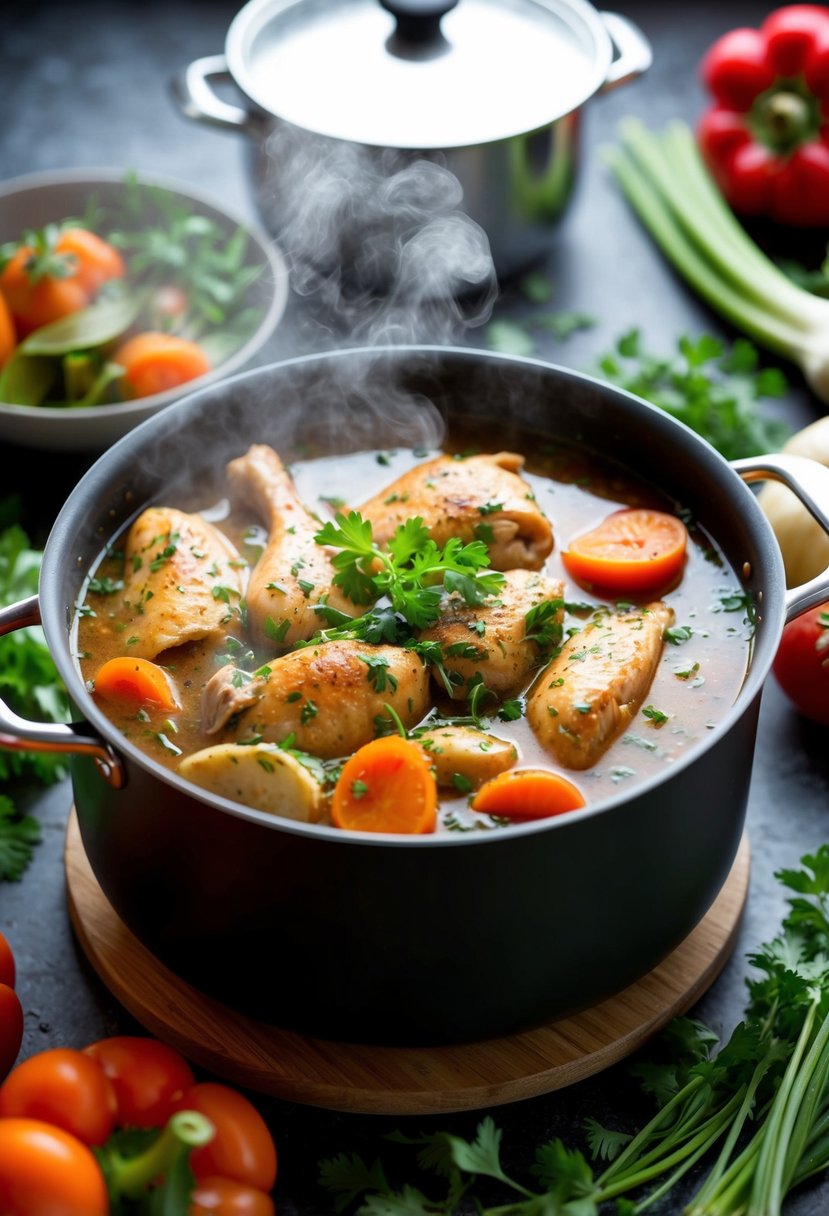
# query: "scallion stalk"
(666, 182)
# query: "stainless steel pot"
(370, 122)
(401, 939)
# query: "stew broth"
(699, 674)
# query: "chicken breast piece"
(260, 775)
(590, 692)
(478, 497)
(495, 642)
(184, 581)
(326, 696)
(294, 573)
(463, 757)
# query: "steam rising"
(377, 237)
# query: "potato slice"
(259, 775)
(465, 752)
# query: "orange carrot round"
(527, 793)
(8, 335)
(633, 550)
(96, 261)
(386, 786)
(138, 681)
(153, 362)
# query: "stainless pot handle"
(19, 735)
(195, 98)
(809, 480)
(635, 54)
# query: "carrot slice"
(527, 793)
(153, 362)
(633, 550)
(386, 786)
(136, 680)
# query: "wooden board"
(389, 1080)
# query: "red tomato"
(802, 663)
(148, 1076)
(11, 1028)
(7, 969)
(63, 1087)
(46, 1172)
(243, 1148)
(224, 1197)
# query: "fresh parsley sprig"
(413, 574)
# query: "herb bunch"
(405, 583)
(30, 684)
(756, 1110)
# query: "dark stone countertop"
(88, 86)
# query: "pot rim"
(59, 546)
(253, 17)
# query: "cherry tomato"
(148, 1076)
(243, 1148)
(63, 1087)
(33, 304)
(11, 1011)
(11, 1028)
(802, 663)
(46, 1172)
(224, 1197)
(7, 968)
(96, 261)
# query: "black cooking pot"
(402, 939)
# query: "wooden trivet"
(394, 1080)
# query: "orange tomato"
(36, 298)
(33, 304)
(11, 1028)
(243, 1148)
(65, 1088)
(633, 551)
(96, 261)
(148, 1077)
(45, 1170)
(154, 362)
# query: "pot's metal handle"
(194, 95)
(809, 480)
(20, 735)
(635, 53)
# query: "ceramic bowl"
(35, 200)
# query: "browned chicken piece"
(493, 642)
(590, 692)
(183, 582)
(294, 573)
(479, 497)
(327, 696)
(463, 757)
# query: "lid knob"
(418, 20)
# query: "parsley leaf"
(18, 836)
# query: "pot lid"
(418, 73)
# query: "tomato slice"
(633, 550)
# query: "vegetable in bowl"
(118, 293)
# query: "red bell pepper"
(765, 138)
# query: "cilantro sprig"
(408, 581)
